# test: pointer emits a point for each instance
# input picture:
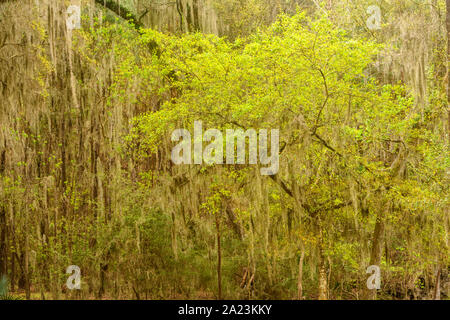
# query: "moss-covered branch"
(121, 11)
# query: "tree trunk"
(3, 245)
(174, 237)
(27, 269)
(448, 67)
(322, 280)
(377, 244)
(300, 276)
(437, 287)
(219, 260)
(322, 271)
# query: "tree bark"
(26, 264)
(3, 245)
(377, 245)
(437, 287)
(219, 259)
(448, 68)
(300, 276)
(322, 271)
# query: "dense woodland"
(86, 176)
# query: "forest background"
(86, 176)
